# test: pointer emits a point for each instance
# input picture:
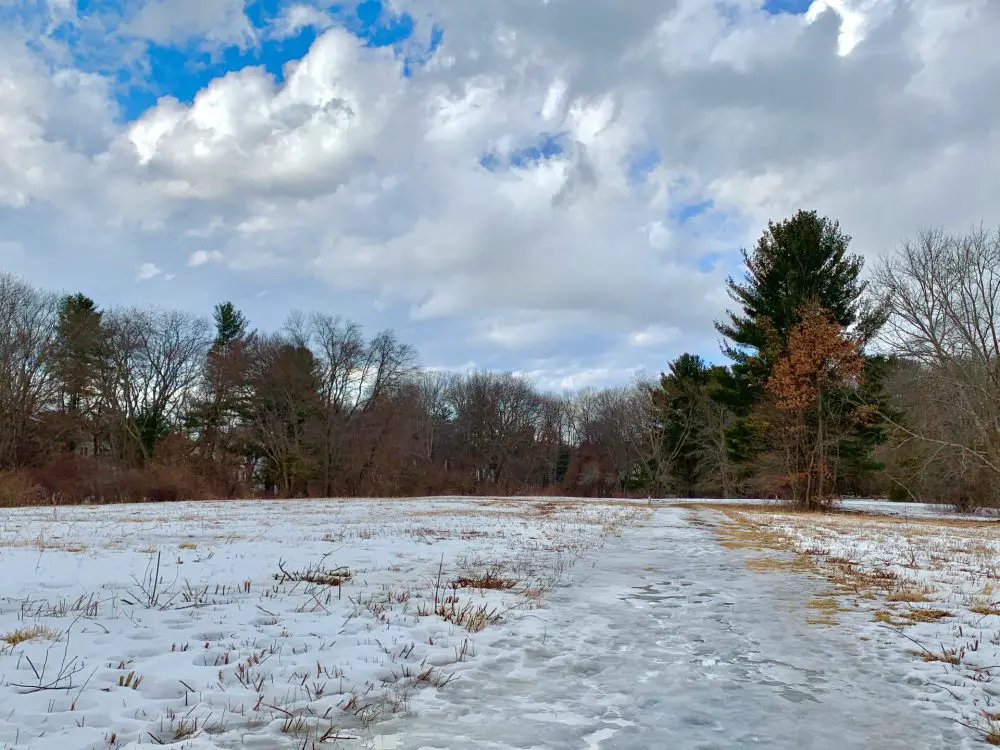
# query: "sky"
(554, 187)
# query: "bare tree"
(944, 295)
(430, 392)
(355, 375)
(28, 328)
(711, 440)
(496, 418)
(151, 362)
(620, 424)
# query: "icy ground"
(438, 623)
(927, 586)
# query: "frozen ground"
(929, 588)
(439, 623)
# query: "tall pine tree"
(797, 262)
(219, 411)
(77, 353)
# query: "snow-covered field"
(264, 624)
(475, 623)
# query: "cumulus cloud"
(563, 183)
(148, 271)
(203, 257)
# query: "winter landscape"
(496, 623)
(507, 375)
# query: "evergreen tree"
(678, 399)
(796, 263)
(77, 354)
(230, 324)
(77, 358)
(222, 405)
(684, 401)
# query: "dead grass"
(472, 617)
(920, 614)
(752, 527)
(131, 680)
(911, 595)
(826, 604)
(42, 544)
(985, 607)
(491, 579)
(951, 656)
(798, 563)
(316, 574)
(990, 729)
(824, 621)
(31, 633)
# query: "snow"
(927, 589)
(621, 625)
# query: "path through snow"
(666, 640)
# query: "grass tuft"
(316, 574)
(492, 579)
(31, 633)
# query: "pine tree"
(78, 341)
(685, 406)
(230, 324)
(221, 409)
(678, 401)
(797, 262)
(77, 356)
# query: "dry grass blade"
(492, 579)
(31, 633)
(314, 574)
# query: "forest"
(840, 380)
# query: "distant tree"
(230, 325)
(78, 350)
(218, 413)
(151, 362)
(619, 434)
(285, 414)
(682, 400)
(943, 291)
(28, 329)
(355, 375)
(496, 417)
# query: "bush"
(76, 480)
(17, 489)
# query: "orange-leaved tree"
(821, 359)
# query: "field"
(495, 623)
(262, 624)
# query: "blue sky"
(796, 7)
(182, 71)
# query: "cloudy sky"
(558, 187)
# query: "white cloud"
(211, 21)
(654, 335)
(202, 257)
(348, 182)
(294, 18)
(148, 271)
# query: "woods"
(839, 381)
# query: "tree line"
(839, 382)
